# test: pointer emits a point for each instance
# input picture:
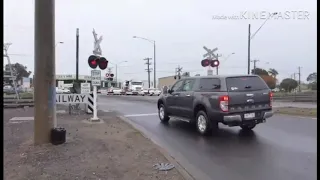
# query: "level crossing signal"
(209, 62)
(109, 76)
(95, 61)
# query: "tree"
(270, 81)
(259, 71)
(19, 71)
(288, 84)
(312, 79)
(273, 72)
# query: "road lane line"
(139, 115)
(22, 119)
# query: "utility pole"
(299, 80)
(77, 56)
(249, 46)
(45, 81)
(148, 63)
(217, 67)
(178, 72)
(254, 65)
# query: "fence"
(296, 97)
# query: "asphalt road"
(275, 103)
(283, 148)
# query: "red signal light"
(103, 63)
(92, 61)
(215, 63)
(205, 62)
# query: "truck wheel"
(248, 127)
(163, 114)
(203, 124)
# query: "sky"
(180, 29)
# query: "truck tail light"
(224, 103)
(271, 98)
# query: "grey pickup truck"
(243, 100)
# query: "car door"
(185, 98)
(171, 99)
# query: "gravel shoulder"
(310, 112)
(112, 150)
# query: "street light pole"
(251, 37)
(154, 65)
(116, 64)
(154, 59)
(249, 47)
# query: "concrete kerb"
(170, 158)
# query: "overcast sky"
(180, 28)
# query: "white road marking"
(139, 115)
(22, 119)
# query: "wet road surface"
(275, 103)
(284, 148)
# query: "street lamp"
(228, 56)
(60, 42)
(116, 64)
(154, 58)
(251, 37)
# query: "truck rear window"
(245, 83)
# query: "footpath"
(112, 150)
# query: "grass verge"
(310, 112)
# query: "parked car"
(243, 101)
(62, 91)
(154, 92)
(117, 91)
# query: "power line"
(178, 71)
(254, 65)
(299, 73)
(149, 70)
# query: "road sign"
(60, 84)
(210, 72)
(95, 77)
(210, 53)
(71, 98)
(85, 88)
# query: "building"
(166, 81)
(70, 79)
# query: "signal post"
(95, 61)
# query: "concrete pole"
(44, 90)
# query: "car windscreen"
(245, 83)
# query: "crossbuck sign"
(97, 49)
(210, 53)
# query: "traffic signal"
(95, 61)
(111, 77)
(103, 63)
(209, 62)
(215, 63)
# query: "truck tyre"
(163, 116)
(203, 124)
(247, 127)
